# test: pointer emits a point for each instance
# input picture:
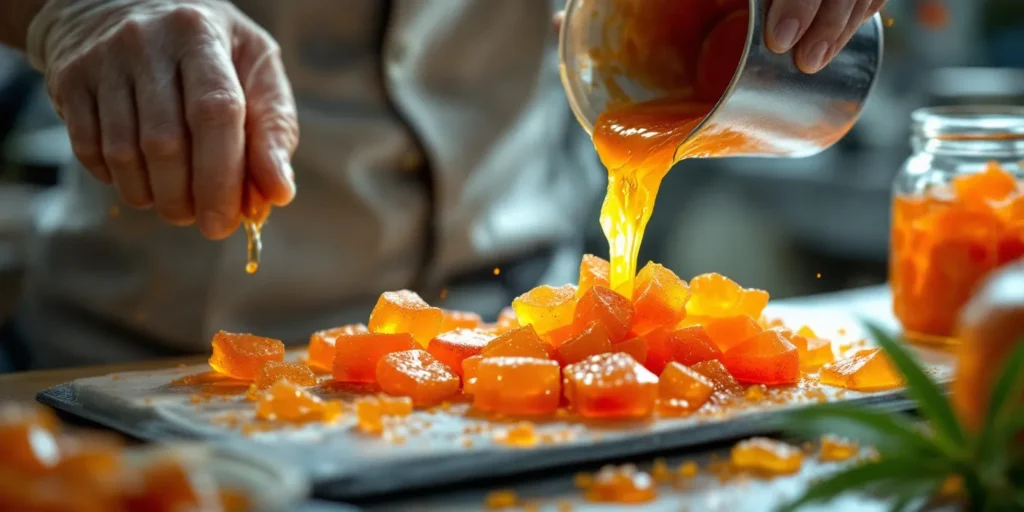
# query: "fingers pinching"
(80, 113)
(163, 139)
(788, 21)
(120, 141)
(215, 113)
(272, 126)
(821, 41)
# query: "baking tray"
(345, 464)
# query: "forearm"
(15, 17)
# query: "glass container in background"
(958, 213)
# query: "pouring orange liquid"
(639, 143)
(256, 209)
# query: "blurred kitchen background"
(794, 227)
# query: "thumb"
(271, 124)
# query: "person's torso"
(435, 141)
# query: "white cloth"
(398, 102)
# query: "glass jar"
(958, 213)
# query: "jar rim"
(969, 122)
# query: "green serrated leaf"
(931, 401)
(857, 478)
(886, 432)
(1003, 421)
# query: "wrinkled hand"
(817, 29)
(176, 103)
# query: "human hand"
(176, 103)
(816, 30)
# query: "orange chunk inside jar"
(945, 241)
(242, 355)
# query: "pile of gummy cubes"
(46, 468)
(668, 349)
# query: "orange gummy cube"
(546, 308)
(688, 346)
(242, 355)
(371, 410)
(521, 342)
(287, 401)
(730, 331)
(168, 484)
(606, 307)
(814, 352)
(357, 355)
(459, 320)
(678, 382)
(321, 345)
(405, 312)
(417, 375)
(865, 370)
(994, 184)
(767, 358)
(716, 372)
(28, 439)
(622, 484)
(562, 334)
(659, 299)
(594, 271)
(520, 386)
(610, 386)
(469, 367)
(636, 347)
(591, 342)
(452, 347)
(298, 374)
(766, 456)
(507, 320)
(717, 296)
(837, 449)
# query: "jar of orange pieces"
(958, 214)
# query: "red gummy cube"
(687, 346)
(356, 356)
(767, 358)
(591, 342)
(521, 342)
(417, 375)
(610, 386)
(405, 312)
(451, 348)
(659, 299)
(606, 307)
